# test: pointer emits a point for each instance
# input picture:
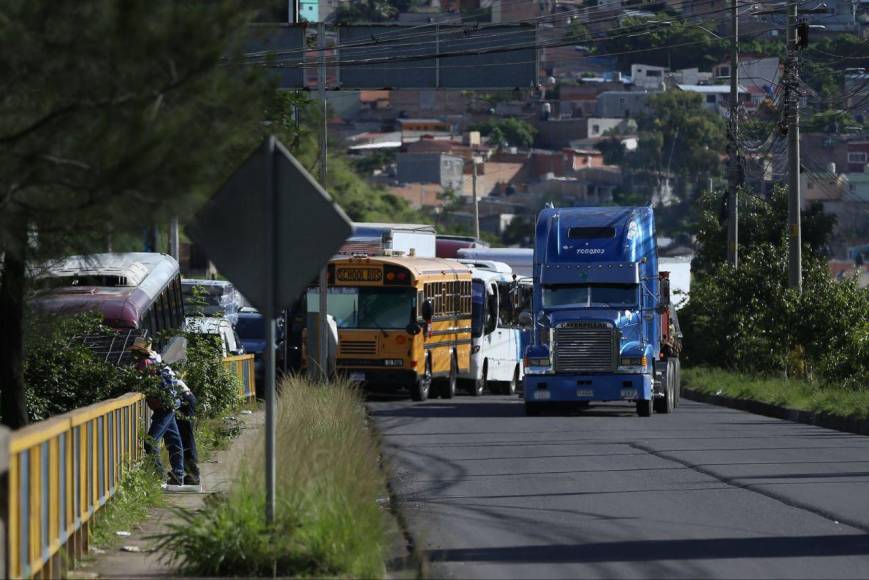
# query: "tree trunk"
(12, 283)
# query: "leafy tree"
(747, 319)
(519, 232)
(115, 116)
(679, 45)
(507, 132)
(577, 32)
(682, 135)
(830, 121)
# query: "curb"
(413, 563)
(836, 422)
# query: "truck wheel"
(512, 386)
(419, 392)
(677, 385)
(449, 388)
(478, 387)
(644, 408)
(666, 403)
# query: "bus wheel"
(419, 392)
(511, 387)
(449, 389)
(478, 387)
(644, 408)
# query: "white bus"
(520, 260)
(496, 355)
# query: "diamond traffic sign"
(270, 228)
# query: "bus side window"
(506, 304)
(491, 308)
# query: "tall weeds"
(327, 520)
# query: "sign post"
(269, 230)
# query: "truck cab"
(601, 325)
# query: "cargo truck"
(602, 325)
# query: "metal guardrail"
(243, 367)
(61, 471)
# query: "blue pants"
(163, 426)
(185, 428)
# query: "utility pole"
(324, 290)
(733, 162)
(476, 204)
(795, 274)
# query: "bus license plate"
(584, 393)
(357, 377)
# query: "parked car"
(252, 332)
(230, 342)
(220, 297)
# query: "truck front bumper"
(597, 387)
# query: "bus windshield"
(590, 295)
(370, 308)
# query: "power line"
(380, 45)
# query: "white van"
(496, 357)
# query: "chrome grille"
(585, 348)
(357, 347)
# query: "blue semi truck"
(602, 325)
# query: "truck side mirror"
(664, 289)
(427, 311)
(525, 319)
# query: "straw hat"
(142, 345)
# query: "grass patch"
(138, 492)
(800, 395)
(327, 521)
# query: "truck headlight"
(634, 364)
(537, 366)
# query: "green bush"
(61, 374)
(216, 388)
(327, 520)
(748, 320)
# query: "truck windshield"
(373, 308)
(590, 295)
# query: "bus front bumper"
(578, 388)
(380, 379)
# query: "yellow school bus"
(403, 322)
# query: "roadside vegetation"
(327, 520)
(793, 394)
(808, 349)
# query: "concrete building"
(648, 77)
(445, 170)
(623, 104)
(716, 98)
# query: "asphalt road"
(707, 492)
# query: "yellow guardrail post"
(243, 367)
(4, 507)
(61, 471)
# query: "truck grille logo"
(587, 324)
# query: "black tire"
(644, 408)
(667, 403)
(511, 386)
(448, 391)
(478, 387)
(677, 386)
(420, 391)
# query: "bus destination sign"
(359, 275)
